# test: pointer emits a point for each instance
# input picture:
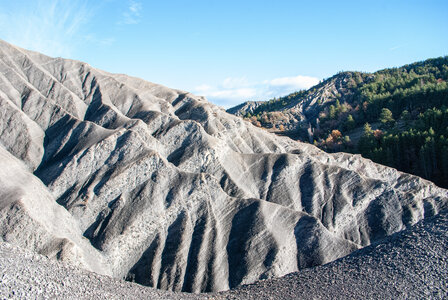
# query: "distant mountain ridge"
(298, 107)
(135, 180)
(333, 113)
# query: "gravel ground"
(412, 264)
(26, 275)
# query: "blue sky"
(231, 51)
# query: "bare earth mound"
(134, 180)
(411, 264)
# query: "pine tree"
(406, 117)
(332, 112)
(386, 118)
(350, 123)
(366, 144)
(367, 130)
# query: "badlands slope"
(410, 264)
(134, 180)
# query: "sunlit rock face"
(132, 179)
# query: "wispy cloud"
(91, 38)
(297, 82)
(233, 91)
(396, 47)
(227, 94)
(51, 27)
(132, 15)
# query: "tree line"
(407, 106)
(410, 104)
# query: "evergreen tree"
(417, 93)
(350, 123)
(366, 144)
(332, 112)
(406, 117)
(386, 118)
(367, 130)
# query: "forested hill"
(397, 117)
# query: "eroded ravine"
(161, 187)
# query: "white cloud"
(396, 47)
(298, 82)
(133, 13)
(51, 27)
(233, 91)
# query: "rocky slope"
(406, 107)
(300, 110)
(315, 112)
(410, 264)
(135, 180)
(28, 275)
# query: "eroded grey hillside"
(132, 179)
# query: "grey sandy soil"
(411, 264)
(27, 275)
(131, 179)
